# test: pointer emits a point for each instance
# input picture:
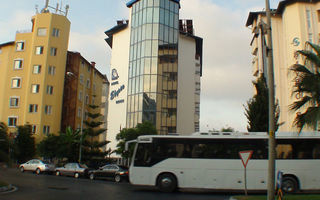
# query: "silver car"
(37, 166)
(72, 169)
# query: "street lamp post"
(82, 116)
(271, 150)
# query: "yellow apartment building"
(293, 23)
(32, 71)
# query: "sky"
(226, 84)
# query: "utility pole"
(271, 163)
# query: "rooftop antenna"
(60, 6)
(47, 4)
(67, 9)
(57, 8)
(37, 11)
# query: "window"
(12, 121)
(81, 78)
(82, 63)
(35, 88)
(51, 70)
(18, 63)
(33, 108)
(42, 31)
(79, 112)
(80, 95)
(46, 129)
(39, 50)
(53, 51)
(94, 87)
(88, 83)
(55, 32)
(14, 102)
(93, 100)
(34, 129)
(16, 83)
(89, 68)
(87, 99)
(20, 46)
(49, 89)
(36, 69)
(308, 13)
(86, 115)
(0, 50)
(48, 110)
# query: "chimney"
(93, 64)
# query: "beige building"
(156, 66)
(84, 86)
(293, 23)
(32, 70)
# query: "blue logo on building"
(116, 93)
(114, 74)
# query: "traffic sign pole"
(245, 157)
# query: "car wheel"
(117, 178)
(289, 185)
(38, 171)
(57, 173)
(76, 175)
(167, 182)
(91, 176)
(22, 169)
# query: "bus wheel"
(167, 182)
(289, 185)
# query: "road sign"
(245, 157)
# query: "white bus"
(211, 161)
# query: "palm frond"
(310, 56)
(309, 118)
(298, 104)
(315, 47)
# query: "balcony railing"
(24, 31)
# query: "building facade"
(84, 86)
(293, 24)
(32, 74)
(156, 66)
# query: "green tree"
(4, 143)
(307, 88)
(257, 108)
(227, 129)
(24, 144)
(69, 144)
(65, 145)
(127, 134)
(49, 147)
(91, 142)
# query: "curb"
(8, 189)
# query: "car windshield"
(83, 165)
(123, 167)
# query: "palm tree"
(307, 86)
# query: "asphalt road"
(50, 187)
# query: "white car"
(37, 166)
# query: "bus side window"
(316, 152)
(284, 151)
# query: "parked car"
(37, 166)
(116, 172)
(72, 169)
